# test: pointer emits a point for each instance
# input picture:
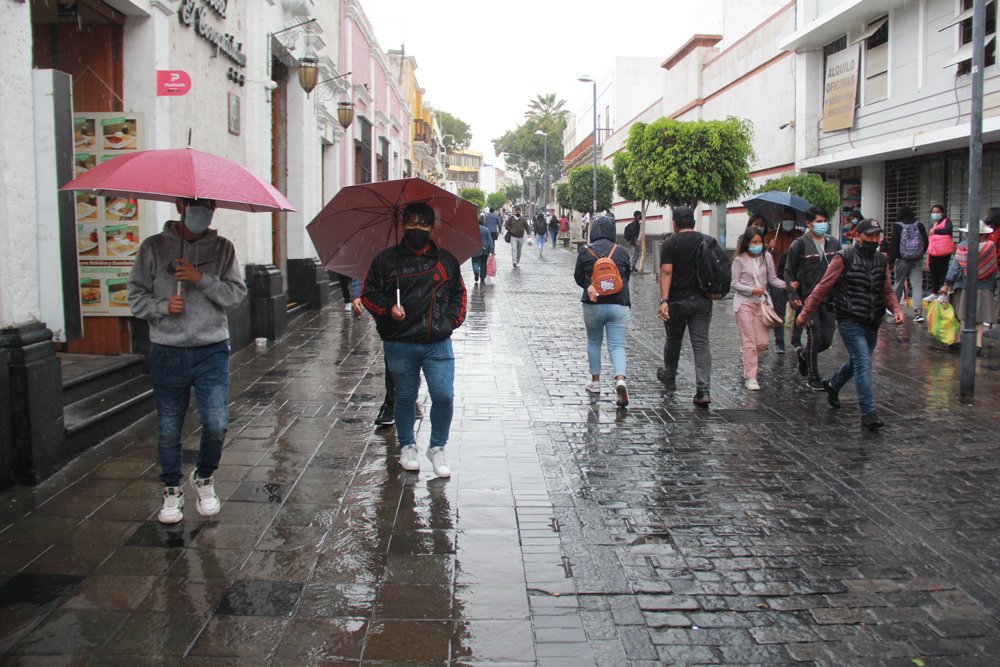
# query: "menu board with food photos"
(108, 229)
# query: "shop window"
(876, 60)
(383, 159)
(965, 39)
(363, 153)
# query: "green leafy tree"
(460, 131)
(546, 108)
(581, 187)
(475, 195)
(624, 167)
(523, 149)
(562, 194)
(682, 163)
(513, 192)
(810, 187)
(496, 200)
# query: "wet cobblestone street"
(768, 529)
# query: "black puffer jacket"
(602, 240)
(860, 292)
(431, 291)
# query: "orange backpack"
(605, 277)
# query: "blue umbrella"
(770, 204)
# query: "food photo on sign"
(90, 292)
(119, 133)
(83, 133)
(118, 292)
(121, 240)
(86, 240)
(83, 162)
(86, 206)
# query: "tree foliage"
(513, 192)
(524, 151)
(496, 200)
(545, 108)
(581, 187)
(562, 194)
(682, 163)
(810, 187)
(475, 195)
(456, 127)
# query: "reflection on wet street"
(767, 530)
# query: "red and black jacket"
(431, 291)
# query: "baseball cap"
(868, 226)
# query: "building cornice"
(695, 42)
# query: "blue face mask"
(821, 228)
(198, 218)
(937, 217)
(755, 249)
(788, 225)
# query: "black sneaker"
(702, 398)
(832, 395)
(476, 278)
(669, 384)
(779, 347)
(803, 361)
(815, 384)
(386, 415)
(871, 421)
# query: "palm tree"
(545, 108)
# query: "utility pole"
(967, 378)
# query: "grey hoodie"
(152, 283)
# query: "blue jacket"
(487, 240)
(492, 222)
(602, 240)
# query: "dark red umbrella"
(361, 221)
(170, 174)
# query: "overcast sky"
(484, 60)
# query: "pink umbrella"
(174, 173)
(362, 221)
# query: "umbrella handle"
(180, 288)
(398, 302)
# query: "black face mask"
(416, 238)
(868, 248)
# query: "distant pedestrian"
(778, 241)
(493, 222)
(683, 306)
(958, 278)
(858, 279)
(806, 262)
(631, 235)
(585, 225)
(753, 271)
(517, 227)
(541, 230)
(553, 223)
(906, 253)
(182, 282)
(605, 314)
(940, 247)
(479, 259)
(416, 294)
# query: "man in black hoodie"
(416, 294)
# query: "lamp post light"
(593, 205)
(545, 197)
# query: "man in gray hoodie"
(182, 281)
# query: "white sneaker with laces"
(438, 460)
(622, 391)
(752, 385)
(173, 504)
(208, 501)
(594, 387)
(408, 458)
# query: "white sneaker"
(594, 387)
(752, 385)
(408, 458)
(173, 502)
(622, 392)
(208, 501)
(438, 460)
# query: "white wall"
(18, 225)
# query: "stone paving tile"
(766, 530)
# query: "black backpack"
(715, 273)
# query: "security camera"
(270, 85)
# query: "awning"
(965, 52)
(967, 14)
(871, 30)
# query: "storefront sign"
(108, 229)
(196, 16)
(840, 91)
(172, 83)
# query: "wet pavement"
(768, 529)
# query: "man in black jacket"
(805, 263)
(416, 294)
(632, 230)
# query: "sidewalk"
(768, 529)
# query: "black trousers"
(938, 269)
(819, 337)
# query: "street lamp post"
(593, 203)
(545, 149)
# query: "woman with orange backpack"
(602, 270)
(958, 278)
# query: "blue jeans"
(479, 265)
(553, 233)
(540, 242)
(613, 318)
(174, 370)
(860, 341)
(438, 363)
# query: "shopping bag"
(491, 267)
(530, 242)
(941, 320)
